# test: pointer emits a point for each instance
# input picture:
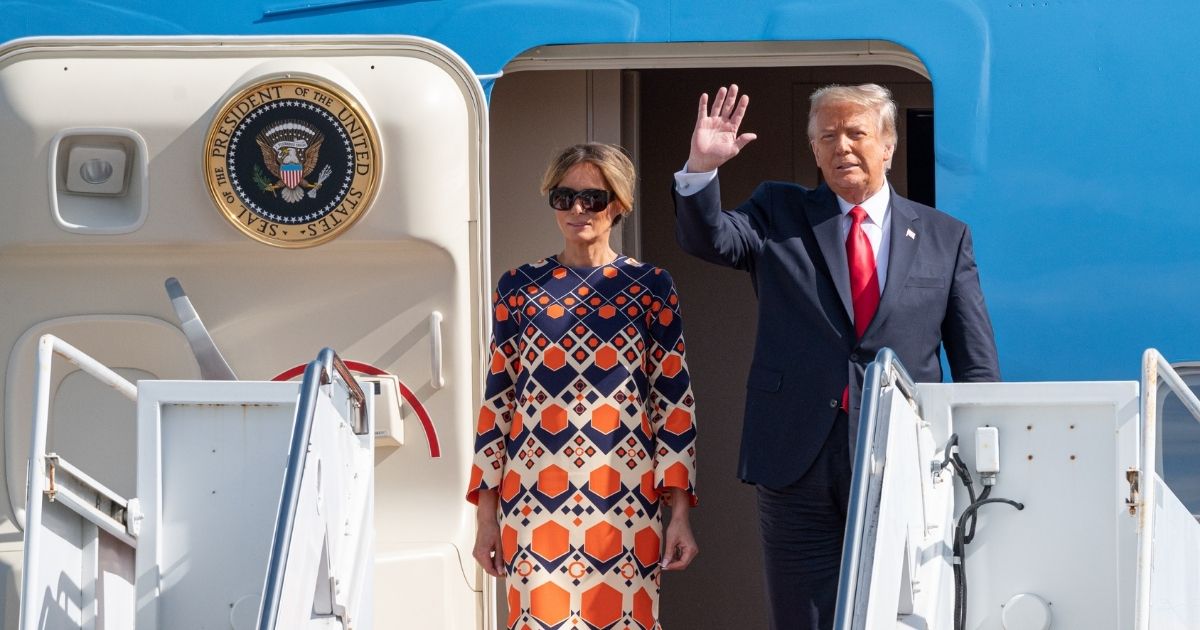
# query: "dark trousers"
(802, 526)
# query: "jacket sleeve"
(967, 330)
(731, 238)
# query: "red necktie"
(864, 280)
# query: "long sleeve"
(967, 330)
(671, 406)
(499, 396)
(730, 238)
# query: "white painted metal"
(62, 541)
(87, 413)
(862, 524)
(212, 458)
(1061, 449)
(86, 498)
(1026, 612)
(437, 379)
(389, 408)
(987, 450)
(907, 582)
(1154, 368)
(75, 206)
(212, 464)
(332, 550)
(422, 248)
(1064, 451)
(1175, 589)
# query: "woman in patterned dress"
(586, 428)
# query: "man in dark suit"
(841, 271)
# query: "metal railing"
(884, 371)
(1154, 367)
(48, 347)
(320, 372)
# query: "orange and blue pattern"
(588, 416)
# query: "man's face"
(850, 150)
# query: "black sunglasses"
(591, 199)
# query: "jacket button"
(854, 356)
(834, 403)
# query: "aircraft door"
(309, 192)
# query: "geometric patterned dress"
(587, 416)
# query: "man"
(841, 271)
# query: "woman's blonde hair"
(615, 166)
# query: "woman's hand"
(488, 552)
(681, 544)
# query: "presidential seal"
(292, 161)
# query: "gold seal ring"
(292, 160)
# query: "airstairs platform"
(991, 506)
(253, 510)
(1017, 506)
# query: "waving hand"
(715, 139)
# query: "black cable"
(960, 566)
(950, 444)
(964, 475)
(964, 530)
(987, 491)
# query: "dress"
(587, 416)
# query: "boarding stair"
(1018, 506)
(253, 510)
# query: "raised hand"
(715, 139)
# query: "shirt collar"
(876, 205)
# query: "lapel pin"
(911, 234)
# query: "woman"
(586, 428)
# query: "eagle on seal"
(290, 150)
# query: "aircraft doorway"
(720, 305)
(651, 111)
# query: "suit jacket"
(806, 351)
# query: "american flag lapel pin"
(911, 234)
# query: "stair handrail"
(1155, 369)
(48, 346)
(884, 371)
(319, 372)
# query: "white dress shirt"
(877, 225)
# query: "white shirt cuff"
(688, 184)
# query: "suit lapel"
(827, 228)
(905, 234)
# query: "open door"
(309, 192)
